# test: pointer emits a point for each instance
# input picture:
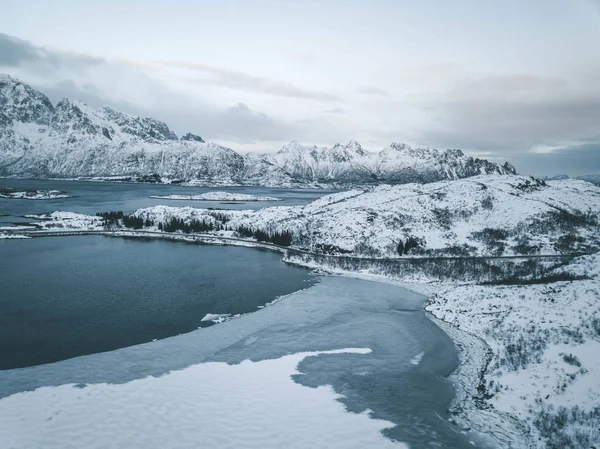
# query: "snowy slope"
(488, 215)
(544, 341)
(484, 215)
(71, 139)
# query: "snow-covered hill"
(71, 139)
(485, 216)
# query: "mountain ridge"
(72, 139)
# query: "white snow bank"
(209, 405)
(216, 317)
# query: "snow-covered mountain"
(398, 163)
(71, 139)
(594, 178)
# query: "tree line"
(118, 218)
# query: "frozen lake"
(237, 382)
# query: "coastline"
(466, 409)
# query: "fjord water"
(71, 296)
(91, 197)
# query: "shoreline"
(468, 410)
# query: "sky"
(505, 80)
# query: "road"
(208, 238)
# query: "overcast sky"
(507, 80)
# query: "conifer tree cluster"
(178, 224)
(220, 216)
(283, 238)
(130, 221)
(110, 217)
(412, 244)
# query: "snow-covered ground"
(218, 196)
(480, 216)
(544, 341)
(212, 405)
(66, 221)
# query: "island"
(216, 196)
(8, 192)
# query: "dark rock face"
(192, 137)
(68, 117)
(145, 128)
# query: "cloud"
(242, 81)
(335, 111)
(128, 87)
(513, 114)
(15, 52)
(372, 91)
(242, 124)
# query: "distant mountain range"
(594, 179)
(71, 139)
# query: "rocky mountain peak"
(19, 102)
(352, 147)
(400, 146)
(509, 168)
(145, 128)
(72, 117)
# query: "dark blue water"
(69, 296)
(92, 197)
